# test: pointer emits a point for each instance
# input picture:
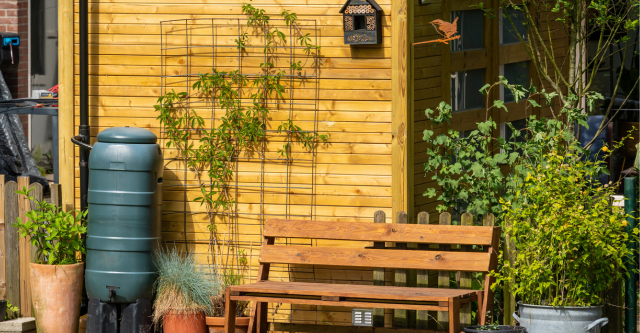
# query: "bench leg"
(258, 320)
(481, 318)
(229, 313)
(263, 310)
(454, 315)
(253, 318)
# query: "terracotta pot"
(216, 324)
(181, 323)
(56, 291)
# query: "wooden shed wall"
(353, 174)
(434, 63)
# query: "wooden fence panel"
(400, 278)
(443, 277)
(489, 221)
(12, 244)
(24, 253)
(378, 273)
(422, 317)
(465, 277)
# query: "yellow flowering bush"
(569, 244)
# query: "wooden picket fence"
(15, 252)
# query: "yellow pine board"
(206, 60)
(324, 105)
(156, 29)
(339, 94)
(221, 9)
(333, 52)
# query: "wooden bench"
(368, 296)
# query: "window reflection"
(470, 28)
(507, 33)
(465, 90)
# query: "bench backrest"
(439, 260)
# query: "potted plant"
(568, 245)
(184, 292)
(216, 322)
(56, 273)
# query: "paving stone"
(27, 324)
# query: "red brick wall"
(14, 17)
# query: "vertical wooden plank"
(3, 250)
(56, 194)
(443, 276)
(509, 298)
(11, 241)
(402, 31)
(378, 273)
(489, 221)
(465, 277)
(25, 252)
(37, 196)
(400, 278)
(422, 317)
(66, 151)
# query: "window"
(515, 73)
(465, 90)
(507, 34)
(470, 28)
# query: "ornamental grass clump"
(183, 287)
(568, 244)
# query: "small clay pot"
(216, 324)
(56, 292)
(174, 322)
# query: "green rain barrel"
(125, 197)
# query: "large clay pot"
(182, 323)
(216, 324)
(56, 291)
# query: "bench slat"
(354, 257)
(353, 291)
(341, 303)
(379, 232)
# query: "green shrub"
(54, 232)
(570, 245)
(183, 286)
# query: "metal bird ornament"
(445, 29)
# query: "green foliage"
(469, 169)
(490, 327)
(183, 285)
(570, 244)
(54, 232)
(466, 169)
(13, 311)
(243, 126)
(42, 159)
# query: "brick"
(8, 20)
(8, 5)
(18, 325)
